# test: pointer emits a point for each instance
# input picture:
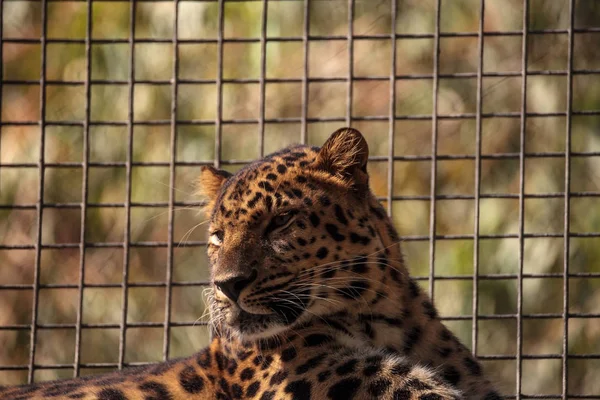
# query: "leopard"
(310, 297)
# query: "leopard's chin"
(243, 323)
(274, 317)
(249, 327)
(253, 335)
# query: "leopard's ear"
(209, 184)
(345, 155)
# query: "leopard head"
(293, 236)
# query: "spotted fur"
(310, 297)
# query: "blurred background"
(129, 144)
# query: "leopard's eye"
(281, 220)
(216, 238)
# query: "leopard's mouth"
(285, 313)
(248, 325)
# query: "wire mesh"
(444, 164)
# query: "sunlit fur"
(292, 250)
(338, 262)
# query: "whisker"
(189, 232)
(309, 275)
(343, 292)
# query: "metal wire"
(1, 76)
(305, 79)
(40, 201)
(392, 109)
(434, 148)
(172, 185)
(128, 188)
(84, 190)
(567, 206)
(522, 129)
(477, 207)
(263, 76)
(431, 237)
(350, 80)
(219, 82)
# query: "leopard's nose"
(232, 287)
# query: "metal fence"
(466, 163)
